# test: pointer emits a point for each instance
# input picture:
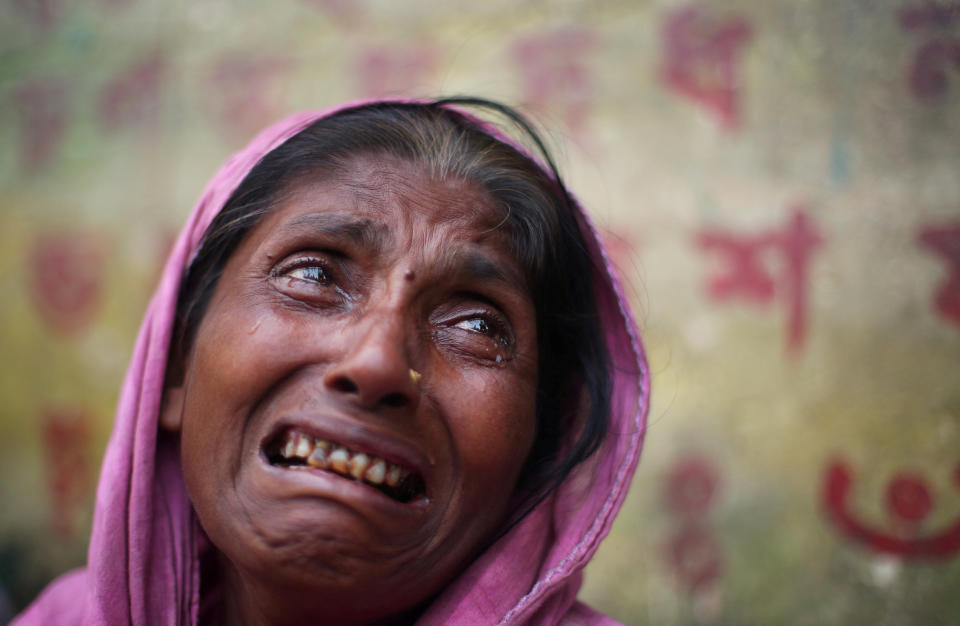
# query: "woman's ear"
(171, 405)
(171, 408)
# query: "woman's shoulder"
(62, 602)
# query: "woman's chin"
(323, 589)
(319, 532)
(327, 562)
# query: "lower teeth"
(404, 492)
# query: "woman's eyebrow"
(361, 232)
(475, 266)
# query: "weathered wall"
(781, 184)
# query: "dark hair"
(541, 219)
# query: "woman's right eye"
(314, 272)
(309, 278)
(310, 268)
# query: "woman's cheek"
(495, 423)
(275, 339)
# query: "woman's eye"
(484, 326)
(476, 325)
(311, 268)
(315, 273)
(311, 279)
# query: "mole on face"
(409, 276)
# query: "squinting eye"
(312, 279)
(475, 324)
(313, 273)
(483, 327)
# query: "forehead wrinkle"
(374, 195)
(448, 204)
(384, 182)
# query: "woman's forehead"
(377, 197)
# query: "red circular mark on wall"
(908, 498)
(908, 501)
(944, 241)
(66, 437)
(690, 486)
(66, 279)
(133, 97)
(42, 106)
(246, 90)
(389, 70)
(694, 557)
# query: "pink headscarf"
(143, 562)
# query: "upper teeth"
(330, 456)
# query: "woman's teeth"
(299, 449)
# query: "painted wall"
(780, 181)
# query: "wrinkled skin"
(321, 313)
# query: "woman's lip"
(324, 484)
(358, 437)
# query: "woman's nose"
(375, 371)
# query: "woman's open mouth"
(296, 450)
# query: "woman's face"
(359, 398)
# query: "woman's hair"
(540, 219)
